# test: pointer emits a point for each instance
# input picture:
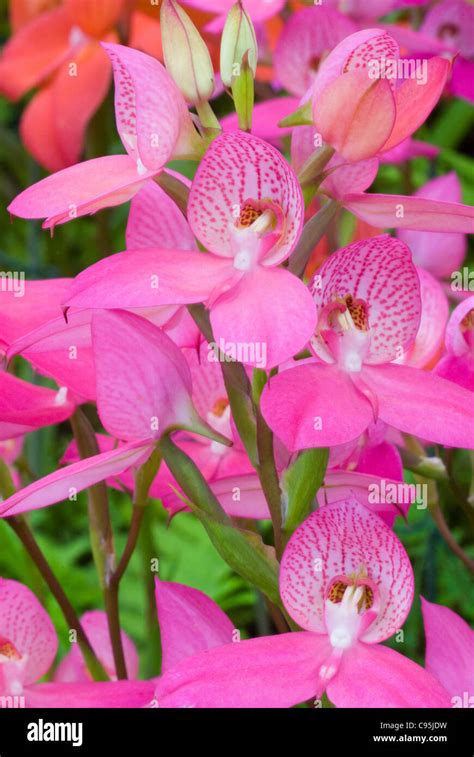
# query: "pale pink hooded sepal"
(25, 407)
(389, 680)
(73, 668)
(28, 641)
(190, 622)
(449, 652)
(276, 671)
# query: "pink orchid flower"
(73, 669)
(246, 208)
(306, 39)
(347, 183)
(386, 109)
(258, 10)
(154, 126)
(347, 580)
(439, 253)
(143, 390)
(451, 22)
(266, 116)
(25, 407)
(368, 301)
(457, 365)
(28, 646)
(449, 652)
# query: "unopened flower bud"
(186, 55)
(238, 39)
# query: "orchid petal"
(156, 221)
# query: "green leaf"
(243, 94)
(300, 483)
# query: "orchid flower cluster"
(277, 351)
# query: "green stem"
(102, 541)
(269, 480)
(313, 232)
(313, 168)
(207, 117)
(175, 189)
(21, 529)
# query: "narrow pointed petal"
(238, 167)
(63, 483)
(122, 694)
(418, 213)
(376, 676)
(156, 221)
(423, 404)
(335, 541)
(190, 622)
(25, 407)
(449, 649)
(272, 671)
(298, 405)
(80, 190)
(147, 278)
(269, 310)
(26, 624)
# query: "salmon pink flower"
(246, 208)
(360, 108)
(368, 300)
(28, 646)
(154, 125)
(346, 579)
(143, 390)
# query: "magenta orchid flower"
(154, 125)
(368, 301)
(73, 668)
(346, 579)
(143, 390)
(449, 652)
(28, 646)
(386, 109)
(246, 208)
(258, 10)
(458, 363)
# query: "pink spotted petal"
(429, 340)
(25, 407)
(190, 622)
(122, 694)
(64, 483)
(25, 623)
(269, 310)
(402, 212)
(272, 671)
(147, 278)
(299, 407)
(73, 669)
(80, 190)
(423, 404)
(149, 109)
(414, 102)
(335, 541)
(239, 167)
(440, 253)
(156, 221)
(380, 272)
(449, 649)
(143, 381)
(376, 676)
(307, 37)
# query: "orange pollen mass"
(358, 312)
(220, 406)
(467, 322)
(248, 216)
(8, 649)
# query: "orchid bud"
(238, 43)
(186, 55)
